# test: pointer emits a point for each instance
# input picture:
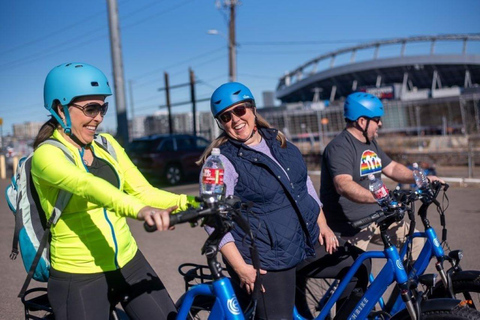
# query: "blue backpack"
(32, 230)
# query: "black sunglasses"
(238, 111)
(375, 119)
(92, 109)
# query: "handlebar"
(369, 219)
(229, 204)
(181, 217)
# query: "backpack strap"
(103, 142)
(62, 200)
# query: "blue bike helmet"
(361, 104)
(229, 94)
(68, 81)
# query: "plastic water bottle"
(212, 186)
(379, 190)
(419, 176)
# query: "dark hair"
(46, 130)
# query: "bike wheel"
(309, 296)
(201, 307)
(466, 286)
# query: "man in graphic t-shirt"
(347, 161)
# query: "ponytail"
(45, 131)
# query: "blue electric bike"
(216, 296)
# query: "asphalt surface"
(167, 250)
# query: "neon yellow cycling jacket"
(92, 234)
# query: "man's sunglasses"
(239, 111)
(92, 109)
(376, 119)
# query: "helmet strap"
(364, 131)
(67, 125)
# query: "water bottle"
(212, 187)
(379, 190)
(419, 176)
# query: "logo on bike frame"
(399, 264)
(232, 305)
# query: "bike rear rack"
(36, 300)
(194, 274)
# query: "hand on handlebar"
(435, 178)
(156, 217)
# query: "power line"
(177, 64)
(258, 76)
(57, 31)
(289, 43)
(53, 50)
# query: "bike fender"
(467, 275)
(431, 305)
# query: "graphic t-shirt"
(347, 155)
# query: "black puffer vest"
(284, 219)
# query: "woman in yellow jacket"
(95, 261)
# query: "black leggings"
(333, 266)
(92, 296)
(277, 302)
(283, 289)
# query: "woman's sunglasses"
(92, 109)
(238, 111)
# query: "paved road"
(167, 250)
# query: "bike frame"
(393, 270)
(226, 305)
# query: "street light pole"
(232, 48)
(232, 43)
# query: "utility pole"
(232, 44)
(118, 79)
(169, 106)
(194, 106)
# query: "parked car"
(170, 158)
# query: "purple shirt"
(230, 178)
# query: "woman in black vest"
(263, 168)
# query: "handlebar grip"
(181, 217)
(149, 228)
(184, 216)
(367, 220)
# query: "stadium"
(431, 99)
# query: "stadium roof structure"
(409, 73)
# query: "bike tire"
(458, 313)
(466, 286)
(308, 297)
(201, 307)
(442, 309)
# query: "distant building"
(182, 123)
(268, 98)
(27, 130)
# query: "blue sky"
(160, 36)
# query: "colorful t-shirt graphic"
(370, 163)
